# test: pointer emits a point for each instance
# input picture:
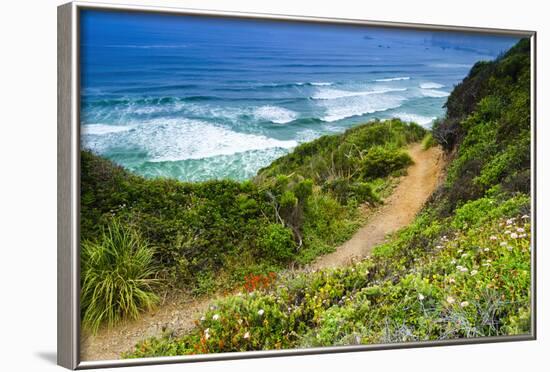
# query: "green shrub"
(330, 157)
(382, 161)
(344, 190)
(428, 142)
(277, 243)
(117, 277)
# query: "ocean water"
(197, 98)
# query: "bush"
(344, 190)
(428, 142)
(117, 277)
(277, 243)
(382, 161)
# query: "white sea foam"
(182, 139)
(241, 166)
(308, 135)
(275, 114)
(450, 65)
(434, 93)
(102, 129)
(327, 94)
(418, 119)
(359, 105)
(394, 78)
(431, 85)
(321, 84)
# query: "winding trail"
(398, 210)
(178, 313)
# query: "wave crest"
(328, 94)
(394, 79)
(180, 139)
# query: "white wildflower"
(215, 317)
(503, 244)
(453, 261)
(486, 249)
(492, 237)
(450, 300)
(439, 246)
(452, 280)
(509, 221)
(203, 318)
(261, 312)
(247, 335)
(520, 229)
(473, 272)
(464, 303)
(513, 235)
(421, 297)
(525, 217)
(507, 232)
(522, 235)
(464, 255)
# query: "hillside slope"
(212, 236)
(461, 269)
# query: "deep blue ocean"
(201, 98)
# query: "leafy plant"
(382, 161)
(277, 242)
(118, 277)
(428, 141)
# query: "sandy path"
(179, 313)
(398, 210)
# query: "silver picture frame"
(68, 185)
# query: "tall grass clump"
(117, 277)
(428, 142)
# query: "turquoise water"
(201, 98)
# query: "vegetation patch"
(461, 269)
(208, 236)
(118, 277)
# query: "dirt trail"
(398, 210)
(179, 313)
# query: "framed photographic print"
(236, 185)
